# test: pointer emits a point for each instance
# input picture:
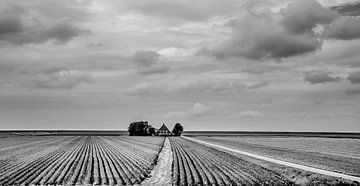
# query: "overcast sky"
(209, 64)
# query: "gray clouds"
(19, 25)
(261, 36)
(344, 28)
(316, 76)
(146, 58)
(149, 62)
(155, 69)
(292, 32)
(193, 86)
(198, 110)
(190, 10)
(60, 80)
(354, 77)
(41, 68)
(303, 16)
(353, 91)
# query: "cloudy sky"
(280, 65)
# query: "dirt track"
(161, 174)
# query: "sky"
(261, 65)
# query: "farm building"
(164, 131)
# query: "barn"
(164, 131)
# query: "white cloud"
(200, 85)
(60, 80)
(251, 113)
(198, 110)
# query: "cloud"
(315, 77)
(344, 28)
(262, 36)
(41, 68)
(198, 110)
(10, 20)
(353, 91)
(60, 80)
(149, 62)
(146, 58)
(303, 16)
(18, 26)
(188, 10)
(348, 9)
(261, 69)
(193, 86)
(251, 113)
(258, 85)
(297, 30)
(155, 69)
(354, 77)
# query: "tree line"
(142, 128)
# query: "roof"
(164, 128)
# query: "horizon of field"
(109, 160)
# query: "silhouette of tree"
(178, 129)
(140, 128)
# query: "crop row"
(195, 164)
(87, 160)
(340, 155)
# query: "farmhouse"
(164, 131)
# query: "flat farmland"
(195, 164)
(334, 154)
(135, 160)
(77, 160)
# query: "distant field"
(338, 154)
(38, 158)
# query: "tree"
(178, 129)
(139, 128)
(152, 131)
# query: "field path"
(161, 174)
(298, 166)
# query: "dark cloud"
(10, 20)
(19, 27)
(354, 77)
(261, 36)
(303, 16)
(353, 91)
(10, 25)
(344, 28)
(352, 9)
(149, 62)
(315, 77)
(146, 58)
(292, 32)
